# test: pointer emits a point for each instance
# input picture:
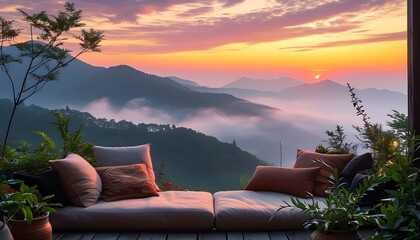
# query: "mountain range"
(270, 124)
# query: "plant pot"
(5, 233)
(39, 229)
(351, 234)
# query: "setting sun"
(317, 76)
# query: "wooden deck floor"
(185, 236)
(274, 235)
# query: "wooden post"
(413, 38)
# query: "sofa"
(94, 209)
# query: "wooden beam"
(413, 38)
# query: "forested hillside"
(192, 160)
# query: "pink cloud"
(196, 11)
(384, 37)
(280, 21)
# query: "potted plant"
(30, 163)
(339, 215)
(4, 229)
(28, 213)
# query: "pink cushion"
(295, 181)
(129, 181)
(80, 180)
(118, 156)
(172, 210)
(251, 211)
(305, 159)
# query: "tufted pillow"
(305, 159)
(295, 181)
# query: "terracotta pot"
(352, 234)
(5, 233)
(39, 229)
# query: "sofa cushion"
(129, 181)
(172, 210)
(251, 211)
(80, 180)
(295, 181)
(357, 164)
(118, 156)
(305, 159)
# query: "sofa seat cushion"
(251, 211)
(172, 210)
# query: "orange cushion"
(129, 181)
(295, 181)
(305, 159)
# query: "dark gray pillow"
(357, 164)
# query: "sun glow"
(317, 76)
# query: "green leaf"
(27, 213)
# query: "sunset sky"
(215, 42)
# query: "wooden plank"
(256, 236)
(129, 236)
(88, 236)
(234, 236)
(212, 236)
(182, 236)
(71, 236)
(298, 235)
(57, 236)
(367, 232)
(276, 235)
(152, 236)
(106, 236)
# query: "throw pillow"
(80, 180)
(305, 159)
(129, 181)
(295, 181)
(118, 156)
(357, 164)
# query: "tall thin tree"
(44, 54)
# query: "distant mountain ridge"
(121, 84)
(184, 82)
(257, 120)
(272, 85)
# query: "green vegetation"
(397, 214)
(24, 204)
(340, 209)
(336, 143)
(34, 160)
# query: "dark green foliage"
(25, 204)
(336, 142)
(400, 210)
(35, 160)
(380, 142)
(72, 141)
(340, 210)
